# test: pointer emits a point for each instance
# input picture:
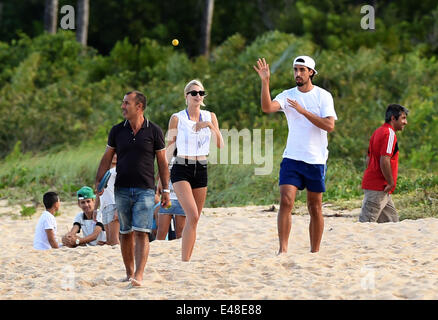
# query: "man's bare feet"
(134, 283)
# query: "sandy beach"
(234, 258)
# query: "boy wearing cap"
(310, 114)
(92, 230)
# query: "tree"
(82, 21)
(1, 12)
(51, 16)
(206, 27)
(265, 16)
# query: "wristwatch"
(77, 241)
(166, 190)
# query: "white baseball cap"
(306, 61)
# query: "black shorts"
(194, 172)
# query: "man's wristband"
(166, 190)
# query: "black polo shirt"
(136, 154)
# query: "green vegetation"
(27, 211)
(400, 25)
(25, 178)
(58, 102)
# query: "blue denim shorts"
(108, 213)
(175, 209)
(303, 175)
(135, 209)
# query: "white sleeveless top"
(188, 141)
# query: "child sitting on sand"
(45, 231)
(92, 230)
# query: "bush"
(56, 96)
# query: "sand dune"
(234, 258)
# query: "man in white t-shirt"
(92, 230)
(310, 114)
(45, 231)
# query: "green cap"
(86, 193)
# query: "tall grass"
(25, 178)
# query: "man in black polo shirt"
(137, 141)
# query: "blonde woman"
(190, 132)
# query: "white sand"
(234, 258)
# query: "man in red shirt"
(380, 176)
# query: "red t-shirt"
(383, 142)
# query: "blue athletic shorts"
(303, 175)
(135, 208)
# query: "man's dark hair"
(139, 98)
(49, 199)
(313, 73)
(394, 110)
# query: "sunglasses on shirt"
(194, 93)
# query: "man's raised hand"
(262, 69)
